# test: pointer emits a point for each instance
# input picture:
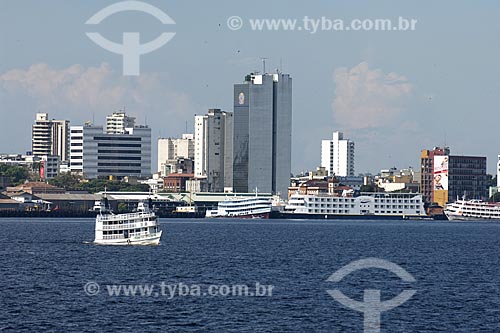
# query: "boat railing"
(121, 217)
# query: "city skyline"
(384, 97)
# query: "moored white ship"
(138, 228)
(472, 210)
(362, 206)
(242, 207)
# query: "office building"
(459, 177)
(214, 150)
(95, 153)
(337, 156)
(172, 150)
(450, 176)
(50, 137)
(49, 166)
(262, 133)
(119, 122)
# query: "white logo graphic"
(91, 288)
(131, 49)
(234, 23)
(372, 306)
(241, 98)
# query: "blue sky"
(392, 92)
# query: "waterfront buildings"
(214, 150)
(453, 177)
(173, 152)
(337, 155)
(50, 137)
(262, 133)
(95, 153)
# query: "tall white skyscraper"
(50, 137)
(170, 149)
(337, 155)
(214, 149)
(263, 133)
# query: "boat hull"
(148, 240)
(461, 218)
(244, 216)
(301, 216)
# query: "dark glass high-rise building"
(263, 133)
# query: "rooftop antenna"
(186, 127)
(281, 65)
(263, 65)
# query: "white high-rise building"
(214, 149)
(171, 149)
(50, 137)
(337, 155)
(95, 153)
(498, 172)
(119, 123)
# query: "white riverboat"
(242, 207)
(138, 228)
(362, 206)
(472, 210)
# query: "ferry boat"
(242, 207)
(138, 228)
(472, 210)
(357, 206)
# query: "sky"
(392, 92)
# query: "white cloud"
(368, 98)
(76, 93)
(81, 94)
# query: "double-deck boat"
(242, 207)
(137, 228)
(472, 210)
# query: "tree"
(17, 174)
(67, 181)
(77, 183)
